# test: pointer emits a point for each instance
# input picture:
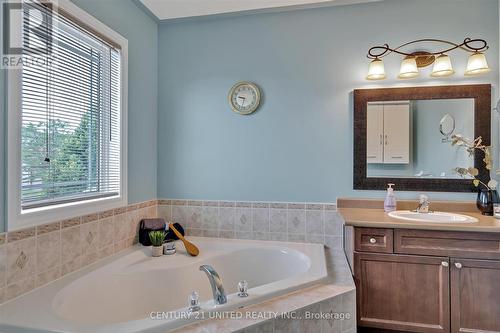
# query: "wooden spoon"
(190, 247)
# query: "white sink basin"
(434, 217)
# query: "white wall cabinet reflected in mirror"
(388, 133)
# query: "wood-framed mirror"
(403, 136)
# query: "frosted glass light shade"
(376, 70)
(477, 64)
(408, 68)
(442, 66)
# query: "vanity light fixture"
(376, 71)
(442, 66)
(409, 68)
(477, 64)
(413, 61)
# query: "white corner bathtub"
(133, 292)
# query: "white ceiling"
(171, 9)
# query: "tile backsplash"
(35, 256)
(294, 222)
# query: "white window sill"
(41, 215)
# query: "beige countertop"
(370, 213)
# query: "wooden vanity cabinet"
(402, 292)
(475, 295)
(427, 281)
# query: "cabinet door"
(400, 292)
(397, 134)
(475, 295)
(374, 133)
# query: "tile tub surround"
(327, 299)
(35, 256)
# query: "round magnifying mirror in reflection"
(447, 125)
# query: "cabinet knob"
(444, 263)
(458, 265)
(373, 240)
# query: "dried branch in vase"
(471, 146)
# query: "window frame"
(16, 217)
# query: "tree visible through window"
(70, 137)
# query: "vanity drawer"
(475, 245)
(373, 240)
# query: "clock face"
(244, 98)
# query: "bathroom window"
(71, 126)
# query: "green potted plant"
(157, 238)
(487, 194)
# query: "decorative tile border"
(90, 218)
(109, 213)
(20, 234)
(71, 222)
(46, 228)
(278, 205)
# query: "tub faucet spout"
(216, 283)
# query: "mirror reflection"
(412, 138)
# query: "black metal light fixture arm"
(468, 45)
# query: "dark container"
(485, 200)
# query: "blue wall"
(298, 146)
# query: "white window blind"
(70, 137)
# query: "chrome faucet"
(216, 283)
(423, 205)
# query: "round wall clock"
(244, 97)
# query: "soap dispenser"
(390, 199)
